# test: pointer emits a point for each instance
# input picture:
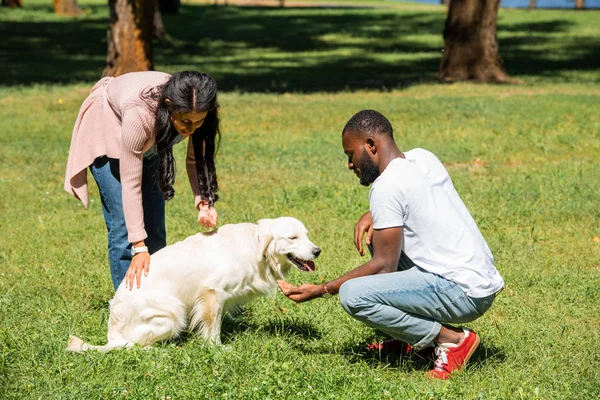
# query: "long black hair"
(187, 91)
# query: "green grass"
(523, 157)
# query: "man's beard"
(368, 169)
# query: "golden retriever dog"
(192, 283)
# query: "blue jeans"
(106, 173)
(410, 304)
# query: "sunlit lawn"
(523, 157)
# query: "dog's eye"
(293, 237)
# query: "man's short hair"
(368, 122)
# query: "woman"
(124, 133)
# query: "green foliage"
(524, 159)
(298, 49)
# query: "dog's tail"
(77, 345)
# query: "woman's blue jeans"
(106, 173)
(410, 304)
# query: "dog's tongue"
(310, 265)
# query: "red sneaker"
(452, 357)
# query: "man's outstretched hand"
(301, 293)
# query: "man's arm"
(387, 245)
(363, 226)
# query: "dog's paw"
(75, 344)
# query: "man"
(431, 266)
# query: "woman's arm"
(207, 214)
(135, 133)
(190, 165)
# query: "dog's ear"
(265, 235)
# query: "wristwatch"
(324, 292)
(139, 249)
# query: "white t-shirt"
(440, 235)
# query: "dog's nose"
(317, 251)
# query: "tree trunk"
(11, 3)
(532, 4)
(579, 3)
(470, 43)
(159, 28)
(129, 36)
(68, 8)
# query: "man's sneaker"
(452, 357)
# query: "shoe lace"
(442, 357)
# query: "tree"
(11, 3)
(129, 36)
(67, 7)
(532, 4)
(470, 43)
(159, 27)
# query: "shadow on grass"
(307, 339)
(423, 359)
(263, 49)
(235, 325)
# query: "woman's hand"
(364, 225)
(207, 216)
(140, 263)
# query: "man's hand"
(364, 225)
(207, 216)
(140, 263)
(301, 293)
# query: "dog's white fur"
(192, 283)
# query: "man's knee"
(349, 297)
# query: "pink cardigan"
(115, 121)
